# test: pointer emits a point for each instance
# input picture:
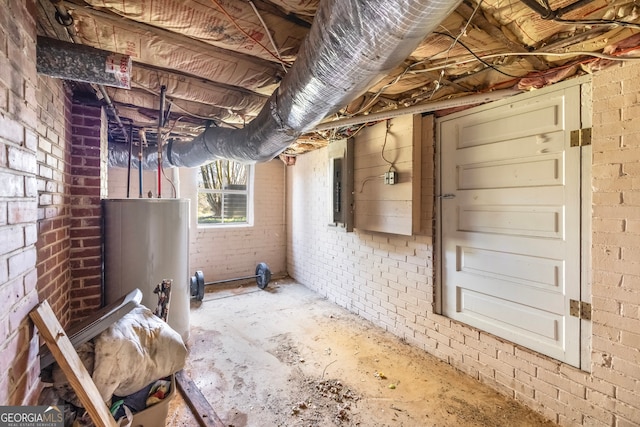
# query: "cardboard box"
(156, 415)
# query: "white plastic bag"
(135, 351)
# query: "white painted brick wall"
(19, 187)
(389, 279)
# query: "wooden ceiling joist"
(48, 25)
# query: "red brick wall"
(49, 212)
(53, 246)
(19, 381)
(70, 186)
(88, 164)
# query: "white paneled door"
(510, 220)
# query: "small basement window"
(225, 193)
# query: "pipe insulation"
(351, 45)
(72, 61)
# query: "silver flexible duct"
(352, 44)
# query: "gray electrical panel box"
(341, 158)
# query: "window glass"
(224, 193)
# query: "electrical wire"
(196, 116)
(367, 179)
(185, 111)
(384, 144)
(489, 65)
(235, 23)
(170, 182)
(455, 41)
(615, 22)
(168, 132)
(577, 52)
(380, 91)
(344, 134)
(482, 58)
(407, 69)
(545, 12)
(397, 79)
(538, 53)
(391, 83)
(464, 29)
(391, 165)
(266, 30)
(362, 126)
(547, 72)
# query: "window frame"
(249, 193)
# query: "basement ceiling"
(220, 60)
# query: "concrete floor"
(285, 356)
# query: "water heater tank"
(147, 241)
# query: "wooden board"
(196, 401)
(393, 145)
(64, 353)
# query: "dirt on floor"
(284, 356)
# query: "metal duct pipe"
(66, 20)
(351, 45)
(71, 61)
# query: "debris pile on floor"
(334, 390)
(326, 393)
(131, 363)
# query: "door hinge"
(580, 137)
(580, 309)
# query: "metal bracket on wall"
(580, 137)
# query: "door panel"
(511, 235)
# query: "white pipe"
(420, 108)
(176, 181)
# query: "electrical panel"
(337, 191)
(341, 163)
